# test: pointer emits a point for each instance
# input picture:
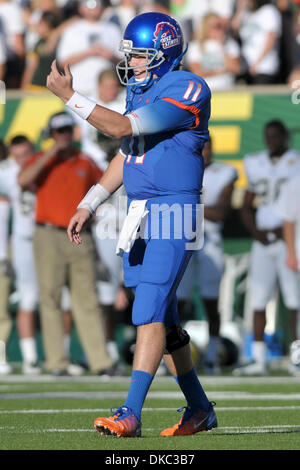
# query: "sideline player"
(207, 265)
(22, 204)
(5, 283)
(160, 162)
(266, 172)
(288, 207)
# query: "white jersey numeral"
(139, 159)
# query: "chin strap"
(177, 61)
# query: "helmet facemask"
(153, 59)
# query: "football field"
(48, 413)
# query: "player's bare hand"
(76, 224)
(292, 262)
(60, 84)
(121, 301)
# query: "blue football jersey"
(163, 157)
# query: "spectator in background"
(32, 15)
(13, 28)
(62, 175)
(89, 46)
(191, 12)
(258, 24)
(213, 55)
(39, 60)
(207, 266)
(122, 13)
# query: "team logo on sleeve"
(169, 37)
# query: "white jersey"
(22, 202)
(288, 206)
(79, 37)
(211, 56)
(265, 178)
(254, 33)
(216, 177)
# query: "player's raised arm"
(106, 121)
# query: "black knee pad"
(176, 338)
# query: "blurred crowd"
(230, 41)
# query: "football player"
(22, 204)
(266, 172)
(207, 266)
(289, 209)
(5, 283)
(160, 163)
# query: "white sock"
(28, 350)
(259, 350)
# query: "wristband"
(81, 105)
(93, 198)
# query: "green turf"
(252, 415)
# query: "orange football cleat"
(192, 422)
(122, 423)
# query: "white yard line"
(282, 428)
(213, 395)
(105, 410)
(207, 380)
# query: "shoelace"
(117, 413)
(188, 413)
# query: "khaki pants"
(5, 319)
(56, 260)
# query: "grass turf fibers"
(48, 414)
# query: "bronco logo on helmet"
(168, 35)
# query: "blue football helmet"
(156, 36)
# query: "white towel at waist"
(136, 213)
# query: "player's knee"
(176, 338)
